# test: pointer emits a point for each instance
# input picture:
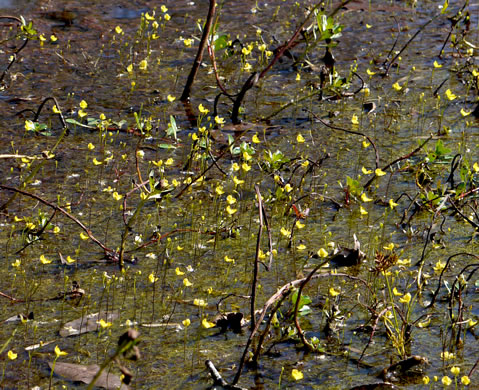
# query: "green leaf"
(166, 146)
(220, 42)
(75, 122)
(172, 128)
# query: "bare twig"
(199, 55)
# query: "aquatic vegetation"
(286, 194)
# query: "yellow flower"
(104, 324)
(288, 187)
(188, 42)
(333, 292)
(206, 324)
(118, 30)
(17, 263)
(164, 9)
(83, 104)
(425, 380)
(299, 225)
(405, 262)
(169, 162)
(471, 323)
(285, 232)
(322, 253)
(450, 95)
(53, 38)
(203, 110)
(199, 302)
(300, 138)
(296, 374)
(117, 196)
(465, 113)
(396, 292)
(365, 144)
(392, 204)
(396, 86)
(84, 236)
(55, 109)
(455, 370)
(446, 381)
(91, 146)
(247, 156)
(59, 352)
(447, 355)
(69, 260)
(245, 167)
(12, 355)
(178, 271)
(81, 113)
(465, 380)
(406, 298)
(129, 68)
(301, 247)
(475, 167)
(389, 247)
(370, 72)
(355, 120)
(150, 17)
(366, 171)
(187, 283)
(247, 67)
(171, 98)
(437, 64)
(255, 139)
(230, 210)
(143, 64)
(439, 267)
(152, 278)
(186, 322)
(237, 181)
(219, 190)
(44, 260)
(362, 210)
(379, 172)
(229, 260)
(298, 77)
(219, 120)
(167, 17)
(365, 198)
(231, 199)
(29, 125)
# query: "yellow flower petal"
(322, 253)
(379, 172)
(296, 374)
(365, 198)
(206, 324)
(355, 120)
(12, 355)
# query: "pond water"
(126, 178)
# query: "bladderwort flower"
(296, 374)
(207, 324)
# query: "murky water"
(89, 61)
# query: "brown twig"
(347, 131)
(256, 257)
(199, 55)
(255, 77)
(108, 251)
